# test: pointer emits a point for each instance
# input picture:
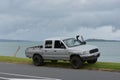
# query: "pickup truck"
(74, 50)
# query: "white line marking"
(4, 78)
(20, 75)
(29, 79)
(22, 79)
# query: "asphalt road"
(9, 70)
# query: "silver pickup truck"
(71, 49)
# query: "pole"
(16, 51)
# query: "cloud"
(104, 32)
(32, 18)
(38, 34)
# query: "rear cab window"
(48, 44)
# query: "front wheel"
(37, 60)
(92, 61)
(76, 62)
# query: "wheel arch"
(36, 54)
(74, 55)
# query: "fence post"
(16, 51)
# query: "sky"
(40, 19)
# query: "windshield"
(71, 42)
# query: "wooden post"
(16, 51)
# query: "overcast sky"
(40, 19)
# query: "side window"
(48, 44)
(59, 44)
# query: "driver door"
(60, 51)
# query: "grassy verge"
(103, 66)
(109, 66)
(15, 60)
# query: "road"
(8, 71)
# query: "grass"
(108, 66)
(15, 60)
(104, 66)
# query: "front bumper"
(90, 56)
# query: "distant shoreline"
(101, 40)
(6, 40)
(88, 40)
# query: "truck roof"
(57, 38)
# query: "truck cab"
(55, 49)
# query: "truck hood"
(82, 48)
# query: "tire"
(37, 60)
(54, 61)
(92, 61)
(76, 62)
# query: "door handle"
(54, 50)
(45, 50)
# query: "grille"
(93, 51)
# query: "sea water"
(10, 48)
(110, 51)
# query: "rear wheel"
(76, 62)
(92, 61)
(37, 60)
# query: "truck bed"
(31, 50)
